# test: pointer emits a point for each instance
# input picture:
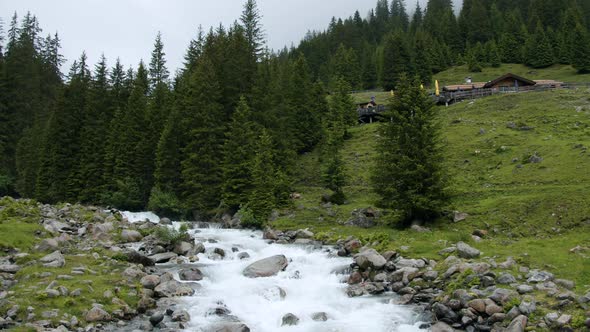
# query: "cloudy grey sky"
(127, 28)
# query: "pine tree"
(238, 151)
(263, 170)
(493, 54)
(201, 163)
(422, 58)
(581, 53)
(397, 59)
(96, 118)
(539, 53)
(417, 19)
(251, 22)
(409, 174)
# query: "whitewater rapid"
(311, 284)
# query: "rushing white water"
(140, 216)
(309, 282)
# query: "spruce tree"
(409, 174)
(251, 22)
(581, 53)
(238, 152)
(539, 52)
(201, 163)
(264, 171)
(397, 59)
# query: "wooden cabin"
(509, 81)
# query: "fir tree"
(409, 174)
(581, 53)
(263, 170)
(238, 151)
(251, 22)
(201, 165)
(396, 59)
(539, 52)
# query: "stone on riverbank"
(266, 267)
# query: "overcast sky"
(127, 28)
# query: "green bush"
(171, 235)
(248, 218)
(165, 203)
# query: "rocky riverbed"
(90, 269)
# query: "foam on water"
(309, 283)
(140, 216)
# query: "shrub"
(248, 218)
(164, 203)
(171, 235)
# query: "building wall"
(509, 83)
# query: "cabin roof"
(509, 75)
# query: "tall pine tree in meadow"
(409, 174)
(201, 169)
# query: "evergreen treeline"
(219, 135)
(224, 131)
(374, 51)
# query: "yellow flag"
(422, 86)
(437, 92)
(392, 92)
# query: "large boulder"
(163, 257)
(518, 324)
(47, 245)
(266, 267)
(55, 259)
(133, 256)
(466, 251)
(129, 235)
(228, 327)
(290, 319)
(369, 258)
(182, 248)
(97, 314)
(9, 268)
(173, 288)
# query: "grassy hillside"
(457, 75)
(535, 212)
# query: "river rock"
(228, 327)
(528, 305)
(129, 235)
(441, 327)
(150, 281)
(55, 259)
(182, 248)
(266, 267)
(270, 234)
(133, 272)
(156, 318)
(289, 320)
(181, 316)
(163, 257)
(352, 246)
(219, 252)
(466, 251)
(274, 293)
(478, 305)
(304, 234)
(97, 314)
(518, 324)
(133, 256)
(243, 255)
(192, 274)
(319, 316)
(369, 258)
(173, 288)
(9, 268)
